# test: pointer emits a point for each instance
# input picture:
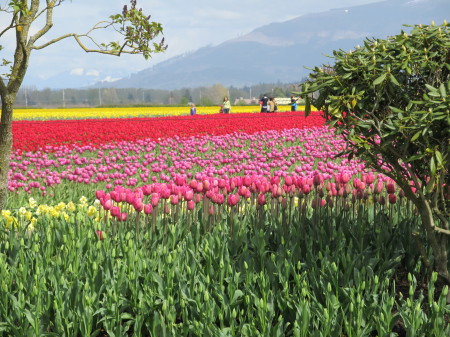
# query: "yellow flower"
(71, 207)
(32, 203)
(54, 212)
(6, 213)
(22, 211)
(92, 211)
(47, 114)
(60, 206)
(43, 209)
(28, 215)
(66, 216)
(10, 220)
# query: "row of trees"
(209, 95)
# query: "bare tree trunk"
(438, 242)
(5, 145)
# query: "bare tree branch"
(48, 23)
(10, 26)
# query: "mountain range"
(282, 51)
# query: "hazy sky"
(188, 25)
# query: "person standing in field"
(271, 104)
(226, 105)
(275, 105)
(264, 102)
(193, 109)
(293, 103)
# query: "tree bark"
(438, 242)
(5, 145)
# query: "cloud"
(109, 79)
(94, 73)
(77, 72)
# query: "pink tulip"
(211, 210)
(288, 180)
(262, 199)
(100, 194)
(370, 178)
(345, 178)
(232, 200)
(148, 208)
(138, 205)
(190, 205)
(115, 211)
(155, 199)
(130, 197)
(318, 179)
(189, 195)
(174, 199)
(108, 204)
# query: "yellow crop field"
(126, 112)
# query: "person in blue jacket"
(293, 103)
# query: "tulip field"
(248, 224)
(122, 112)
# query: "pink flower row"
(268, 153)
(234, 190)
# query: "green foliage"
(390, 99)
(184, 101)
(19, 6)
(138, 32)
(331, 274)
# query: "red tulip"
(392, 198)
(390, 188)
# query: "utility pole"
(64, 99)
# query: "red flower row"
(33, 135)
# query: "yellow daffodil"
(32, 203)
(66, 216)
(71, 207)
(6, 213)
(60, 206)
(22, 211)
(92, 211)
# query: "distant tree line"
(30, 97)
